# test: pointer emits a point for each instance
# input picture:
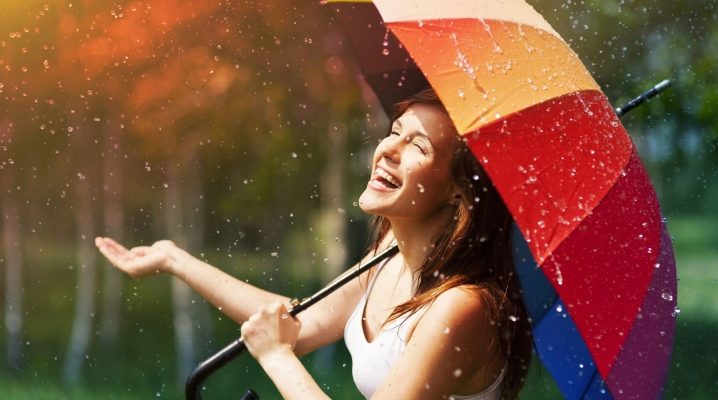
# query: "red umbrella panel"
(600, 280)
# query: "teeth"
(387, 176)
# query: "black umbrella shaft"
(237, 347)
(644, 97)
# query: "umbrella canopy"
(594, 257)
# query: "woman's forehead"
(429, 120)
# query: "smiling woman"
(443, 318)
(410, 168)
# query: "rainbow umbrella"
(593, 254)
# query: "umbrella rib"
(585, 390)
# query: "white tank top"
(371, 361)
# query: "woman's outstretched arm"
(322, 324)
(236, 299)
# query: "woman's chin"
(370, 203)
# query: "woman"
(441, 319)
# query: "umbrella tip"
(663, 85)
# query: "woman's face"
(411, 168)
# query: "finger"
(109, 253)
(115, 246)
(110, 248)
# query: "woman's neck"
(416, 237)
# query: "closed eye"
(421, 148)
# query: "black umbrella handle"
(644, 97)
(237, 347)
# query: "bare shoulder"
(455, 333)
(460, 304)
(458, 314)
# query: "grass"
(142, 366)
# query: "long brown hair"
(474, 250)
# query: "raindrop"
(385, 43)
(476, 177)
(666, 296)
(421, 187)
(294, 155)
(457, 372)
(447, 330)
(559, 308)
(513, 318)
(676, 311)
(482, 239)
(274, 254)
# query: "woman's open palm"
(139, 261)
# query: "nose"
(391, 149)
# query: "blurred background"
(239, 130)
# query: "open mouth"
(386, 179)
